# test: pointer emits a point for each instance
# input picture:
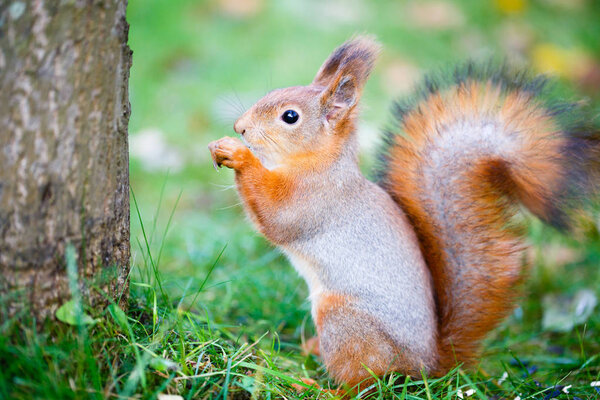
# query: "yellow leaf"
(567, 63)
(511, 6)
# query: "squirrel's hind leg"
(350, 340)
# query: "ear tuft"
(354, 58)
(343, 75)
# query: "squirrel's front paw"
(229, 152)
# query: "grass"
(238, 336)
(175, 344)
(215, 311)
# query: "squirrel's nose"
(239, 127)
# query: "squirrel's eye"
(290, 116)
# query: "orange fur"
(262, 190)
(328, 303)
(365, 344)
(315, 160)
(488, 190)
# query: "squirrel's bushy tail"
(467, 154)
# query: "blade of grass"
(162, 243)
(206, 278)
(156, 274)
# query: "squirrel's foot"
(230, 152)
(311, 346)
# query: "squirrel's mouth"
(256, 150)
(248, 145)
(253, 148)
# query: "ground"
(214, 310)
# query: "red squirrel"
(407, 274)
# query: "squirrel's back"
(464, 156)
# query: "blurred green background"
(197, 65)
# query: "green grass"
(225, 332)
(212, 341)
(214, 310)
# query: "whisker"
(269, 81)
(225, 121)
(228, 207)
(239, 105)
(240, 101)
(234, 106)
(223, 187)
(269, 139)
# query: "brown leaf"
(241, 8)
(434, 15)
(400, 77)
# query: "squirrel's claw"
(212, 148)
(228, 152)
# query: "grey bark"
(64, 110)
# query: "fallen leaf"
(163, 365)
(570, 63)
(151, 149)
(563, 313)
(169, 397)
(400, 77)
(511, 6)
(434, 15)
(240, 8)
(70, 313)
(119, 317)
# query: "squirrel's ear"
(355, 57)
(339, 97)
(344, 74)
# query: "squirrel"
(408, 273)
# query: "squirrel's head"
(302, 121)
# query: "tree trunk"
(64, 174)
